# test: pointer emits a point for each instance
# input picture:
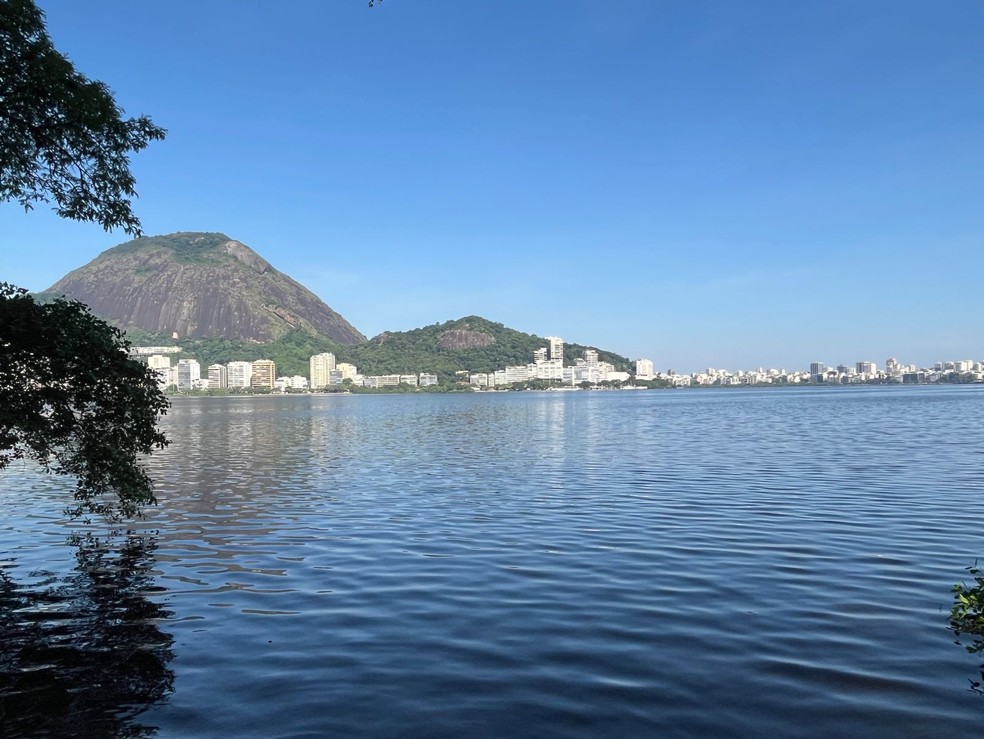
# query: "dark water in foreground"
(719, 563)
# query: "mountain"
(472, 343)
(200, 285)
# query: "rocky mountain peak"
(200, 285)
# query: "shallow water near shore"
(663, 563)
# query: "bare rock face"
(200, 285)
(455, 339)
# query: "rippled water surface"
(690, 563)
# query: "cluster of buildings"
(865, 372)
(547, 365)
(186, 374)
(325, 372)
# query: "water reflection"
(974, 647)
(967, 620)
(83, 654)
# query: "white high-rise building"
(556, 347)
(321, 367)
(644, 369)
(189, 373)
(264, 373)
(218, 375)
(161, 364)
(240, 374)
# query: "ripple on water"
(558, 564)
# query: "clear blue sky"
(726, 184)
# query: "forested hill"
(474, 344)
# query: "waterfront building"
(540, 355)
(240, 374)
(264, 373)
(866, 368)
(481, 379)
(321, 366)
(296, 382)
(381, 381)
(427, 379)
(218, 375)
(509, 375)
(344, 371)
(161, 365)
(551, 369)
(189, 372)
(644, 369)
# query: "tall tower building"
(264, 373)
(644, 369)
(240, 374)
(189, 372)
(555, 345)
(321, 367)
(161, 364)
(218, 375)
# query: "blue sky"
(726, 184)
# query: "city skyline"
(547, 367)
(757, 185)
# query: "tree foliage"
(72, 399)
(63, 138)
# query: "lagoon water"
(664, 563)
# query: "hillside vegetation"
(473, 344)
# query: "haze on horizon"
(703, 184)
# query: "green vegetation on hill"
(421, 349)
(189, 247)
(426, 349)
(291, 353)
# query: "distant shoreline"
(729, 388)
